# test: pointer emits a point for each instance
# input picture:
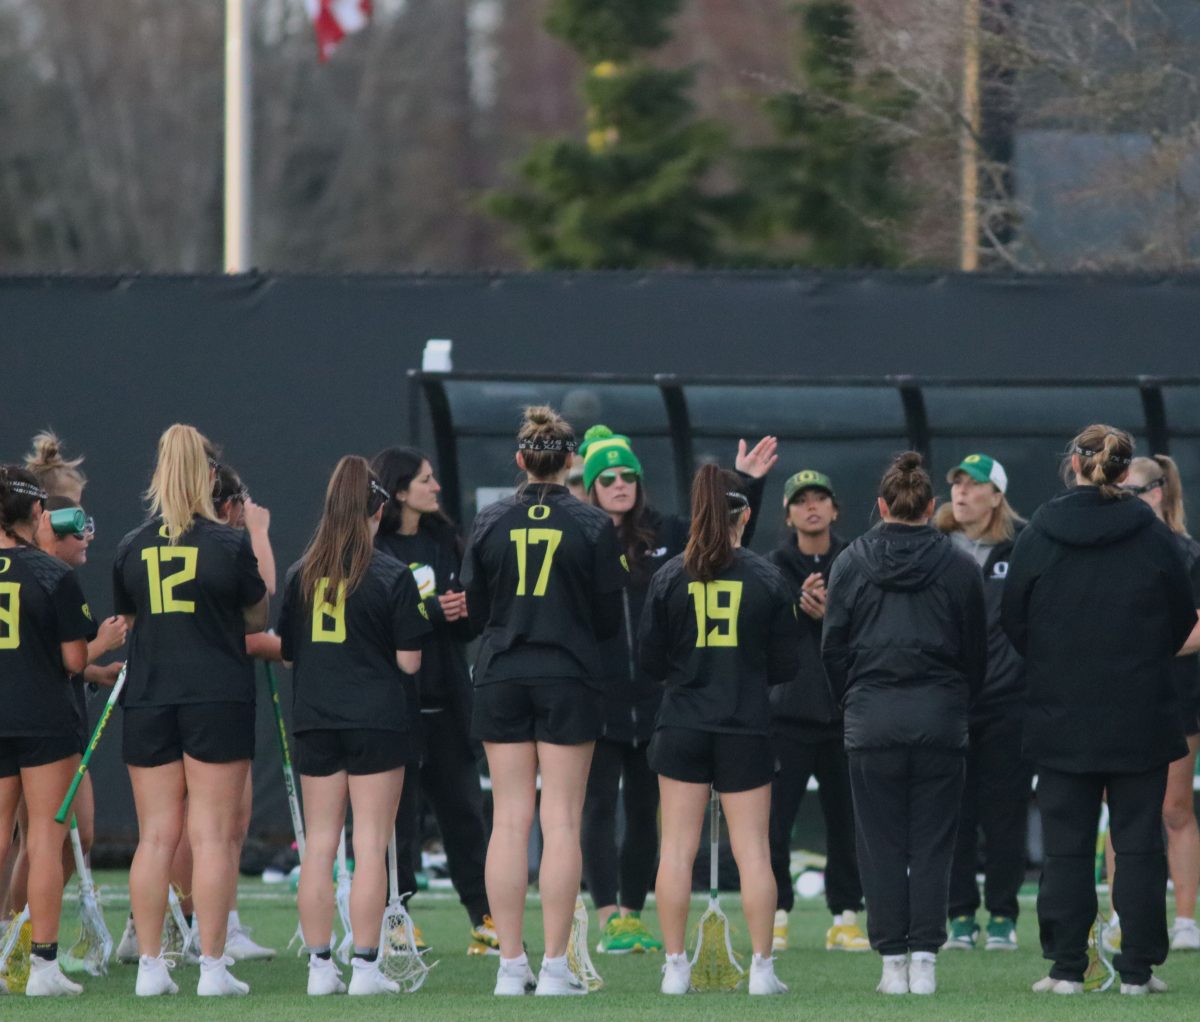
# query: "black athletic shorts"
(1190, 716)
(357, 751)
(208, 732)
(558, 711)
(19, 751)
(728, 762)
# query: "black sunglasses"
(609, 477)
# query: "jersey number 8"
(524, 539)
(162, 590)
(10, 615)
(716, 603)
(329, 618)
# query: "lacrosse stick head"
(14, 953)
(398, 958)
(1100, 974)
(714, 965)
(579, 959)
(93, 947)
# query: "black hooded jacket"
(905, 639)
(1098, 602)
(804, 707)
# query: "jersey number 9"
(10, 615)
(524, 539)
(162, 589)
(716, 603)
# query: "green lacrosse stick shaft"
(714, 833)
(289, 775)
(101, 724)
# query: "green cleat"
(963, 933)
(624, 934)
(1001, 934)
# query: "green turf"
(989, 987)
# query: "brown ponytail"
(906, 488)
(341, 549)
(1161, 471)
(1104, 456)
(546, 442)
(716, 505)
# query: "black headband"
(1085, 452)
(1154, 484)
(26, 489)
(541, 443)
(737, 502)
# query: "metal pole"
(238, 252)
(969, 139)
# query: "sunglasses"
(609, 477)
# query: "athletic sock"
(521, 959)
(46, 952)
(324, 952)
(234, 922)
(554, 964)
(676, 959)
(367, 954)
(847, 918)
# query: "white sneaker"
(217, 981)
(555, 979)
(1050, 985)
(127, 949)
(241, 948)
(514, 978)
(677, 975)
(1185, 935)
(763, 979)
(366, 979)
(1153, 985)
(779, 935)
(154, 977)
(922, 973)
(324, 977)
(46, 979)
(895, 975)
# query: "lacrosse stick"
(342, 897)
(399, 959)
(61, 815)
(14, 954)
(1100, 973)
(176, 935)
(714, 966)
(579, 960)
(91, 951)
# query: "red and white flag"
(333, 20)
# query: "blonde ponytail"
(181, 488)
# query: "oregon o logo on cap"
(807, 476)
(971, 459)
(614, 456)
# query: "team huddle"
(923, 674)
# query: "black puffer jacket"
(804, 707)
(1098, 601)
(632, 697)
(905, 639)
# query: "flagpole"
(238, 206)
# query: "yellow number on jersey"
(717, 603)
(329, 619)
(162, 589)
(10, 615)
(524, 539)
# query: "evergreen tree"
(633, 192)
(829, 191)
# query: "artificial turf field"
(990, 987)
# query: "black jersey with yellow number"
(343, 648)
(543, 573)
(719, 645)
(41, 607)
(188, 643)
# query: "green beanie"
(603, 449)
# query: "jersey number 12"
(162, 589)
(716, 604)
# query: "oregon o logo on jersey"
(87, 612)
(5, 564)
(539, 512)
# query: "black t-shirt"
(543, 573)
(719, 645)
(188, 643)
(1187, 668)
(343, 649)
(41, 607)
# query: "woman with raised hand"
(543, 574)
(1098, 602)
(905, 649)
(352, 624)
(619, 878)
(1156, 480)
(45, 626)
(190, 588)
(718, 629)
(415, 531)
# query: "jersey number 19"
(716, 603)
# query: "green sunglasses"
(609, 477)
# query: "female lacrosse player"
(619, 879)
(543, 576)
(191, 589)
(980, 521)
(718, 628)
(352, 624)
(416, 532)
(1156, 480)
(1098, 602)
(55, 474)
(905, 648)
(45, 626)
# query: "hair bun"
(909, 461)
